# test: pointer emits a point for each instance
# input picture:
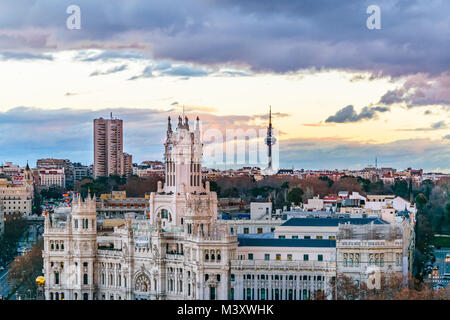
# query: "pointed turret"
(197, 124)
(186, 123)
(169, 126)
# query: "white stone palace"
(181, 251)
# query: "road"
(4, 286)
(437, 277)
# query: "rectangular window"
(278, 256)
(267, 256)
(260, 230)
(294, 237)
(305, 257)
(289, 257)
(319, 237)
(250, 256)
(320, 257)
(281, 237)
(307, 237)
(245, 230)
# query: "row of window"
(277, 277)
(307, 237)
(195, 180)
(57, 245)
(275, 294)
(56, 296)
(213, 255)
(267, 257)
(377, 259)
(114, 282)
(351, 260)
(84, 223)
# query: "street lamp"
(40, 282)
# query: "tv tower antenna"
(270, 141)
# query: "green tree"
(421, 201)
(295, 196)
(327, 179)
(400, 188)
(213, 186)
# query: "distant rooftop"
(329, 222)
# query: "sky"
(341, 93)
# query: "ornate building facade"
(180, 251)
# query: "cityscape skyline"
(343, 93)
(86, 156)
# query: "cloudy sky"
(341, 94)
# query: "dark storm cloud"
(421, 90)
(168, 69)
(24, 56)
(348, 114)
(111, 55)
(278, 36)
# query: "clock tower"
(183, 158)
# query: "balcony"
(283, 265)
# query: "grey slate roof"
(263, 242)
(330, 222)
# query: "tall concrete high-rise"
(108, 147)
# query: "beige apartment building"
(17, 198)
(108, 147)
